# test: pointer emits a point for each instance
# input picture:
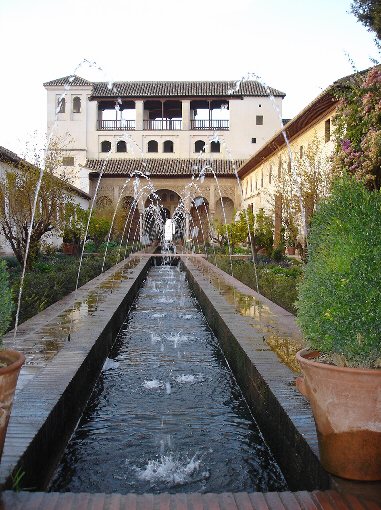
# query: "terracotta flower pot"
(346, 404)
(8, 380)
(291, 250)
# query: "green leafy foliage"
(339, 302)
(358, 127)
(53, 278)
(369, 13)
(5, 299)
(277, 283)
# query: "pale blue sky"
(298, 46)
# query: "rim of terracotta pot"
(17, 359)
(306, 356)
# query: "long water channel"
(166, 414)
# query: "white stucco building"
(187, 138)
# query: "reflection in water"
(55, 334)
(167, 415)
(264, 320)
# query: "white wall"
(86, 140)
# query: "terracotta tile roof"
(73, 81)
(12, 158)
(8, 156)
(169, 88)
(182, 88)
(164, 167)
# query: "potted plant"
(339, 310)
(10, 361)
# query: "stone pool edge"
(47, 409)
(283, 415)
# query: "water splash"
(189, 378)
(153, 385)
(109, 364)
(172, 470)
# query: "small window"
(301, 151)
(270, 174)
(168, 146)
(77, 105)
(256, 184)
(68, 161)
(199, 146)
(61, 104)
(253, 140)
(259, 120)
(121, 146)
(153, 146)
(327, 130)
(215, 147)
(105, 146)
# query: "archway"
(159, 206)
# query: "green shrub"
(277, 283)
(53, 278)
(5, 299)
(339, 304)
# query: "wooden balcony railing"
(209, 124)
(162, 125)
(115, 125)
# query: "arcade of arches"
(146, 203)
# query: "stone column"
(139, 109)
(185, 105)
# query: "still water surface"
(166, 414)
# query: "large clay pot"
(8, 380)
(346, 404)
(291, 250)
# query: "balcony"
(210, 124)
(115, 125)
(162, 125)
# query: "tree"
(257, 229)
(305, 179)
(369, 13)
(18, 186)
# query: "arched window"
(153, 146)
(121, 146)
(199, 146)
(61, 103)
(168, 146)
(76, 104)
(215, 147)
(105, 146)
